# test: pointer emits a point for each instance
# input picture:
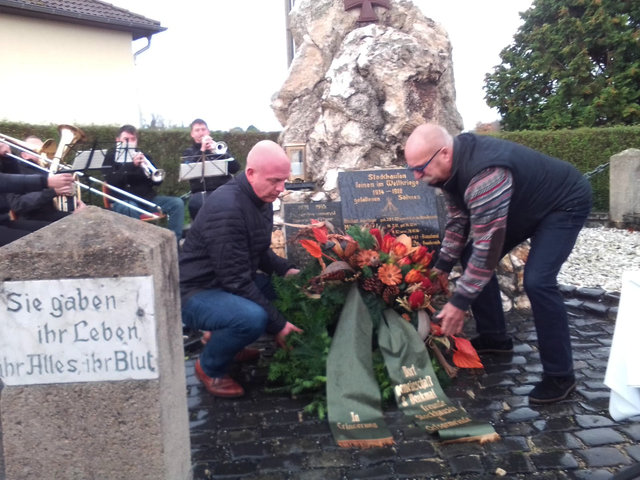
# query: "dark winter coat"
(227, 244)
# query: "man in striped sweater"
(499, 194)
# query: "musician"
(37, 205)
(203, 148)
(129, 173)
(13, 182)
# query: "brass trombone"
(44, 164)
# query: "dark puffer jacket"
(227, 244)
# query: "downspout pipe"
(146, 47)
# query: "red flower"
(377, 235)
(416, 299)
(419, 253)
(403, 261)
(387, 242)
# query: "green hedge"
(164, 146)
(586, 148)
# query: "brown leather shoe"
(219, 386)
(247, 355)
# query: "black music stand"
(89, 158)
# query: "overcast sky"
(224, 60)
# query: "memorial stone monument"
(624, 195)
(91, 352)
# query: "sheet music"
(208, 168)
(81, 161)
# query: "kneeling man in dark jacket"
(221, 289)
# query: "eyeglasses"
(421, 168)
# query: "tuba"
(69, 136)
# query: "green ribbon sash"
(353, 395)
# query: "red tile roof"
(85, 12)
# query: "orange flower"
(390, 274)
(399, 250)
(368, 258)
(413, 276)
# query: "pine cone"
(390, 293)
(373, 284)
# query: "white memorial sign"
(77, 330)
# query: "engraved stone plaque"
(77, 330)
(392, 199)
(302, 214)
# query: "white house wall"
(54, 72)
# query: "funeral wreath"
(391, 271)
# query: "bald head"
(426, 137)
(268, 167)
(266, 152)
(429, 153)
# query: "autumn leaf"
(312, 247)
(321, 234)
(464, 355)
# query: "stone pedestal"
(624, 195)
(125, 417)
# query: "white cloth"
(623, 369)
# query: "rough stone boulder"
(355, 91)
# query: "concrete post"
(624, 179)
(91, 352)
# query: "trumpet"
(219, 148)
(127, 154)
(155, 174)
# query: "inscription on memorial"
(392, 199)
(77, 330)
(302, 214)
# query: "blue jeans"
(551, 245)
(173, 207)
(234, 323)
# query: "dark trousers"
(196, 200)
(14, 229)
(551, 245)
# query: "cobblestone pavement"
(267, 437)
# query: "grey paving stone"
(603, 457)
(599, 436)
(592, 421)
(554, 460)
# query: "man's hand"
(79, 206)
(452, 319)
(281, 336)
(292, 271)
(61, 180)
(4, 148)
